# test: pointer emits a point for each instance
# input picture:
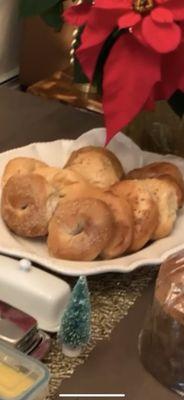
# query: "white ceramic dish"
(56, 153)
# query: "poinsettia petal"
(159, 91)
(162, 15)
(77, 15)
(137, 32)
(177, 9)
(161, 1)
(156, 94)
(113, 4)
(128, 20)
(173, 72)
(150, 102)
(93, 39)
(130, 72)
(163, 38)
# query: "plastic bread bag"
(161, 341)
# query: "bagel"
(20, 166)
(27, 204)
(161, 170)
(165, 196)
(145, 211)
(121, 211)
(48, 172)
(97, 165)
(67, 183)
(70, 184)
(80, 229)
(123, 220)
(172, 182)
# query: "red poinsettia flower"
(157, 27)
(145, 64)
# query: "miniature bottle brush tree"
(74, 331)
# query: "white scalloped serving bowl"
(56, 153)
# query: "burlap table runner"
(111, 297)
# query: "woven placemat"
(111, 297)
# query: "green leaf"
(36, 7)
(53, 18)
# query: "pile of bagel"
(90, 208)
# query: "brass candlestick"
(86, 88)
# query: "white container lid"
(34, 291)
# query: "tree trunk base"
(70, 351)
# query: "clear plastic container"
(21, 377)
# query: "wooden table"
(25, 119)
(114, 366)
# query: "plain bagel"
(27, 204)
(80, 229)
(21, 166)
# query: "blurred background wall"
(10, 26)
(43, 51)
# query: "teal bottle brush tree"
(74, 332)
